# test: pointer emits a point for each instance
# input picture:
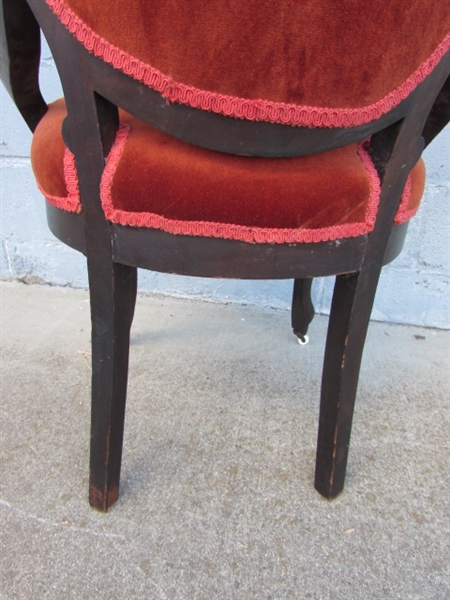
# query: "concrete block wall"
(413, 290)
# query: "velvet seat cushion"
(308, 62)
(154, 180)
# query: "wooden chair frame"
(93, 90)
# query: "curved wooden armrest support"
(19, 59)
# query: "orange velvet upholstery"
(154, 180)
(350, 60)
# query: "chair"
(244, 140)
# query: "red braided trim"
(71, 202)
(403, 214)
(232, 106)
(230, 231)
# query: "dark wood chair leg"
(113, 296)
(349, 320)
(302, 312)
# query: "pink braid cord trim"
(232, 106)
(403, 214)
(72, 202)
(229, 231)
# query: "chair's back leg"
(394, 150)
(302, 312)
(113, 296)
(349, 320)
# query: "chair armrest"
(20, 49)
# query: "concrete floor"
(217, 499)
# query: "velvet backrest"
(303, 62)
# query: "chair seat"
(154, 180)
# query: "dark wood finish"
(160, 251)
(205, 257)
(338, 392)
(93, 91)
(302, 311)
(394, 150)
(20, 49)
(226, 134)
(67, 227)
(112, 308)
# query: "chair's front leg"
(302, 312)
(113, 296)
(349, 320)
